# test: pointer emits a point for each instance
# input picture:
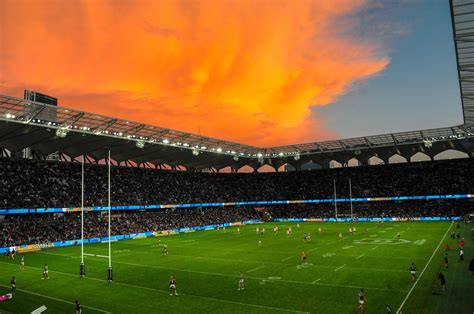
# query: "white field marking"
(420, 242)
(357, 287)
(40, 310)
(378, 269)
(341, 267)
(270, 279)
(187, 256)
(64, 255)
(121, 251)
(95, 255)
(310, 250)
(304, 265)
(347, 247)
(55, 299)
(373, 235)
(287, 258)
(360, 256)
(316, 280)
(374, 247)
(381, 241)
(234, 250)
(247, 304)
(252, 270)
(426, 266)
(217, 274)
(153, 289)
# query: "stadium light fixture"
(297, 156)
(166, 141)
(259, 155)
(219, 150)
(185, 144)
(203, 147)
(280, 154)
(236, 158)
(195, 152)
(140, 144)
(62, 132)
(428, 144)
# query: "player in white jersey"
(45, 272)
(241, 281)
(257, 230)
(361, 301)
(340, 236)
(319, 230)
(350, 231)
(238, 230)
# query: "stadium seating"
(31, 184)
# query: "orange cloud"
(242, 70)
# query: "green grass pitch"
(206, 265)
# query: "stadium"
(101, 214)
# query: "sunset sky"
(259, 72)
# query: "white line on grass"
(152, 289)
(341, 267)
(209, 273)
(252, 270)
(357, 287)
(360, 256)
(285, 259)
(316, 280)
(375, 247)
(102, 256)
(311, 250)
(56, 299)
(426, 266)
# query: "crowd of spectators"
(404, 209)
(31, 183)
(46, 228)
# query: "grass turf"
(206, 265)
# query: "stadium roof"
(48, 129)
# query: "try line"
(426, 266)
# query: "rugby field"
(206, 265)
